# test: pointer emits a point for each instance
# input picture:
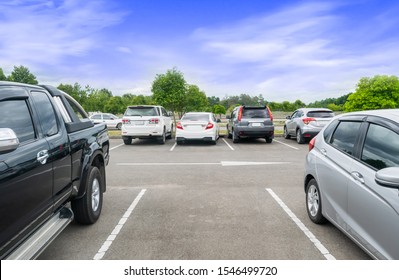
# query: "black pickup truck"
(52, 167)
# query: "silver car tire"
(299, 137)
(286, 135)
(313, 203)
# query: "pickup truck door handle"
(357, 176)
(42, 156)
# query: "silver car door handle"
(324, 152)
(358, 177)
(42, 156)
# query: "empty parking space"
(204, 201)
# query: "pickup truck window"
(45, 110)
(15, 114)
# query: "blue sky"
(284, 50)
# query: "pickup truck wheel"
(87, 209)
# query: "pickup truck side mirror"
(8, 140)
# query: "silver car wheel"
(313, 200)
(95, 195)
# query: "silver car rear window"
(320, 114)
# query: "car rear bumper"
(261, 132)
(195, 135)
(142, 131)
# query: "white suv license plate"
(138, 123)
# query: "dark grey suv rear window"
(251, 113)
(141, 111)
(320, 114)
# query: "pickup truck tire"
(162, 139)
(88, 208)
(127, 141)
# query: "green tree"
(169, 90)
(196, 100)
(97, 99)
(76, 92)
(2, 76)
(114, 105)
(378, 92)
(22, 74)
(219, 109)
(213, 100)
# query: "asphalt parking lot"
(204, 202)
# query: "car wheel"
(228, 132)
(234, 137)
(119, 126)
(299, 137)
(313, 202)
(286, 135)
(179, 142)
(162, 139)
(170, 135)
(269, 139)
(87, 209)
(127, 141)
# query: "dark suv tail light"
(239, 117)
(270, 113)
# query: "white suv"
(146, 121)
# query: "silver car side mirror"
(388, 177)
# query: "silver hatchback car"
(305, 123)
(352, 179)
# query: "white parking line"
(292, 147)
(107, 243)
(228, 144)
(116, 147)
(323, 250)
(171, 149)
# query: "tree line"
(173, 92)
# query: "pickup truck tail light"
(209, 126)
(308, 120)
(179, 125)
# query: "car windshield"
(141, 111)
(320, 114)
(255, 113)
(195, 117)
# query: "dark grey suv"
(250, 122)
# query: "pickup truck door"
(26, 176)
(59, 149)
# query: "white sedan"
(197, 126)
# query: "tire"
(286, 134)
(179, 142)
(87, 209)
(162, 139)
(234, 137)
(228, 132)
(313, 203)
(170, 134)
(268, 139)
(119, 126)
(127, 141)
(299, 137)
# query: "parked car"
(146, 121)
(250, 122)
(197, 126)
(110, 120)
(305, 123)
(52, 167)
(352, 179)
